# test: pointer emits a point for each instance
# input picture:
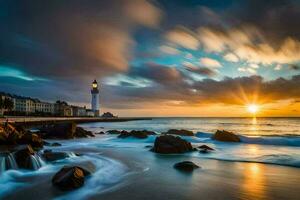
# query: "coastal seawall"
(34, 121)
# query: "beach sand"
(152, 176)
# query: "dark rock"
(186, 166)
(70, 178)
(23, 157)
(55, 144)
(31, 138)
(47, 151)
(8, 134)
(53, 156)
(115, 132)
(80, 132)
(46, 143)
(137, 134)
(225, 136)
(168, 144)
(181, 132)
(148, 146)
(205, 147)
(61, 130)
(100, 133)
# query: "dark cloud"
(63, 39)
(204, 71)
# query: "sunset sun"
(253, 108)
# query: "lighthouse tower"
(95, 98)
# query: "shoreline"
(36, 121)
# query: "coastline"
(36, 121)
(151, 176)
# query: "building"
(62, 109)
(44, 107)
(6, 103)
(95, 99)
(90, 113)
(24, 105)
(79, 111)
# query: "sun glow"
(252, 108)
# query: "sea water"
(264, 140)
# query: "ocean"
(264, 140)
(265, 165)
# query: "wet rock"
(23, 157)
(116, 132)
(186, 166)
(181, 132)
(100, 133)
(46, 143)
(8, 134)
(31, 138)
(53, 156)
(81, 133)
(137, 134)
(148, 146)
(61, 130)
(205, 147)
(225, 136)
(47, 151)
(55, 144)
(70, 178)
(168, 144)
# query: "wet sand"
(152, 176)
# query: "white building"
(95, 98)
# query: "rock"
(115, 132)
(23, 157)
(47, 151)
(205, 147)
(80, 132)
(148, 146)
(8, 134)
(181, 132)
(137, 134)
(70, 178)
(31, 138)
(168, 144)
(53, 156)
(61, 130)
(225, 136)
(55, 144)
(100, 133)
(186, 166)
(46, 143)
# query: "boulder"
(100, 133)
(55, 144)
(205, 147)
(181, 132)
(116, 132)
(53, 156)
(70, 178)
(61, 130)
(225, 136)
(186, 166)
(23, 157)
(8, 134)
(137, 134)
(80, 132)
(167, 144)
(31, 138)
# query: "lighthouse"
(95, 98)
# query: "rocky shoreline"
(22, 149)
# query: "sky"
(205, 58)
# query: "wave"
(282, 140)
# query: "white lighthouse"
(95, 98)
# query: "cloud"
(169, 50)
(203, 71)
(90, 39)
(231, 57)
(209, 62)
(182, 37)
